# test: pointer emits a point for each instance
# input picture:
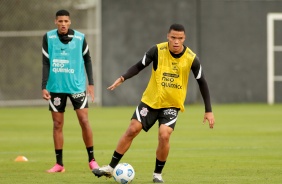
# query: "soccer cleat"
(56, 168)
(93, 165)
(157, 178)
(103, 171)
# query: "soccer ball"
(123, 173)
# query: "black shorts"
(148, 116)
(58, 101)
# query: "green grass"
(245, 147)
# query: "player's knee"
(84, 124)
(133, 130)
(57, 125)
(164, 133)
(164, 137)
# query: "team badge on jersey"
(57, 101)
(144, 111)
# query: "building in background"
(230, 38)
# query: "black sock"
(159, 166)
(90, 153)
(115, 159)
(59, 157)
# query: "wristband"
(121, 78)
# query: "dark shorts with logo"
(149, 116)
(58, 101)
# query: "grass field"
(245, 147)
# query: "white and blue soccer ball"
(123, 173)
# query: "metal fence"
(23, 24)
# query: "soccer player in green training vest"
(66, 57)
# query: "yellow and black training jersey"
(168, 84)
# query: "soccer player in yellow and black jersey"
(163, 97)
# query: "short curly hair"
(177, 27)
(62, 13)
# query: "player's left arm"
(204, 89)
(88, 69)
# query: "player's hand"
(210, 118)
(116, 83)
(46, 95)
(90, 92)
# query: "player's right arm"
(45, 68)
(139, 66)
